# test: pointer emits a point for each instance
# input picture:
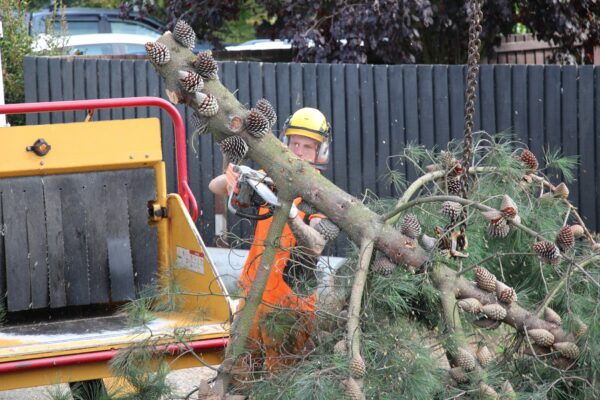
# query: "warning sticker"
(190, 259)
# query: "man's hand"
(232, 178)
(293, 211)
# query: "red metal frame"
(102, 356)
(182, 176)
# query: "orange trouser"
(278, 338)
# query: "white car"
(261, 44)
(96, 43)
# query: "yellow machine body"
(202, 308)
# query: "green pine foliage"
(403, 344)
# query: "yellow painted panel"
(191, 268)
(81, 146)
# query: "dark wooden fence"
(374, 110)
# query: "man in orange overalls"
(283, 322)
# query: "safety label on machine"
(190, 259)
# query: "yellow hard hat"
(308, 122)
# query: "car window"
(132, 28)
(132, 48)
(91, 50)
(78, 27)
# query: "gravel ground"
(183, 380)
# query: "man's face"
(304, 147)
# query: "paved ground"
(184, 381)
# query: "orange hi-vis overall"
(278, 297)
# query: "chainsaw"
(253, 189)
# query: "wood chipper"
(87, 225)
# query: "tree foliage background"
(387, 31)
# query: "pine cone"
(541, 336)
(382, 265)
(577, 230)
(458, 374)
(529, 159)
(507, 391)
(487, 392)
(561, 191)
(505, 293)
(410, 226)
(357, 367)
(446, 159)
(494, 311)
(352, 390)
(484, 356)
(190, 81)
(547, 251)
(206, 65)
(451, 209)
(499, 229)
(552, 316)
(340, 349)
(256, 124)
(485, 279)
(199, 123)
(306, 208)
(267, 110)
(465, 359)
(342, 319)
(158, 53)
(565, 239)
(508, 207)
(328, 229)
(567, 349)
(470, 305)
(428, 243)
(234, 148)
(453, 184)
(184, 34)
(207, 104)
(580, 328)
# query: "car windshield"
(91, 50)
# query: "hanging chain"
(471, 93)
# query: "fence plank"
(368, 129)
(256, 82)
(587, 138)
(283, 92)
(456, 90)
(535, 108)
(56, 87)
(441, 111)
(382, 124)
(141, 80)
(425, 105)
(43, 85)
(397, 125)
(296, 82)
(104, 87)
(552, 106)
(339, 122)
(116, 86)
(411, 115)
(355, 185)
(31, 88)
(503, 97)
(519, 101)
(309, 80)
(487, 96)
(569, 120)
(128, 71)
(323, 103)
(270, 89)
